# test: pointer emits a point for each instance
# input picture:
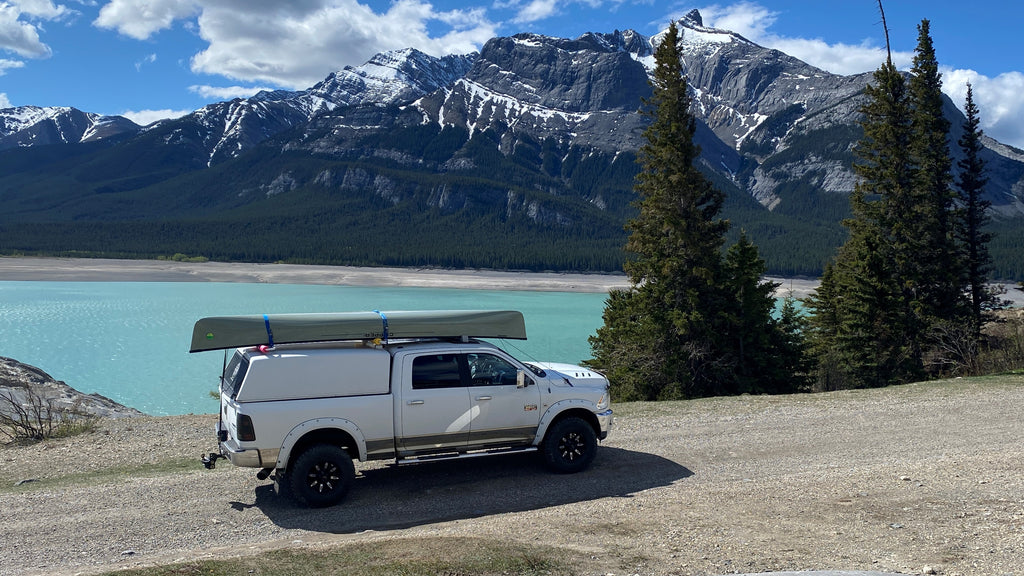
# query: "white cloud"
(7, 64)
(225, 92)
(19, 25)
(754, 21)
(140, 19)
(535, 10)
(298, 49)
(745, 18)
(4, 102)
(529, 11)
(147, 60)
(839, 58)
(44, 9)
(146, 117)
(1000, 101)
(258, 41)
(19, 36)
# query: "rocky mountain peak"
(695, 34)
(39, 126)
(392, 76)
(693, 17)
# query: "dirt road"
(908, 479)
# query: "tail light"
(245, 430)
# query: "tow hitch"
(210, 461)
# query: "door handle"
(414, 402)
(483, 397)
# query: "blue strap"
(270, 335)
(384, 320)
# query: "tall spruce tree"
(898, 284)
(974, 208)
(863, 325)
(677, 332)
(658, 337)
(938, 271)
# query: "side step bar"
(460, 455)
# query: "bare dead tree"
(885, 28)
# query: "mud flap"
(280, 482)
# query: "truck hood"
(573, 375)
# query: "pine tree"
(659, 338)
(896, 289)
(822, 331)
(864, 328)
(692, 323)
(974, 208)
(766, 352)
(938, 274)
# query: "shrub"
(1003, 349)
(36, 418)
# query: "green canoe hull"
(221, 332)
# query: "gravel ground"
(915, 479)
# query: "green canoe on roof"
(220, 332)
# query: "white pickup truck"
(408, 386)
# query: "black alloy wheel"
(322, 475)
(569, 446)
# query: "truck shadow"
(402, 497)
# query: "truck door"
(502, 413)
(435, 408)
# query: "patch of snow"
(531, 41)
(21, 117)
(704, 36)
(485, 99)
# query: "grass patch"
(403, 557)
(109, 474)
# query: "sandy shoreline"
(112, 270)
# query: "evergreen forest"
(906, 296)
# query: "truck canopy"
(221, 332)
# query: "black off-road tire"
(569, 446)
(321, 476)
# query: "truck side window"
(436, 371)
(490, 370)
(234, 373)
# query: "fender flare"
(555, 410)
(296, 433)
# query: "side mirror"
(522, 381)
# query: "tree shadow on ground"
(396, 497)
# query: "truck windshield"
(234, 373)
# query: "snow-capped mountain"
(227, 129)
(753, 105)
(35, 126)
(532, 127)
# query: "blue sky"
(151, 59)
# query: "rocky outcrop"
(21, 383)
(586, 91)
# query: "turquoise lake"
(129, 340)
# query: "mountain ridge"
(531, 131)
